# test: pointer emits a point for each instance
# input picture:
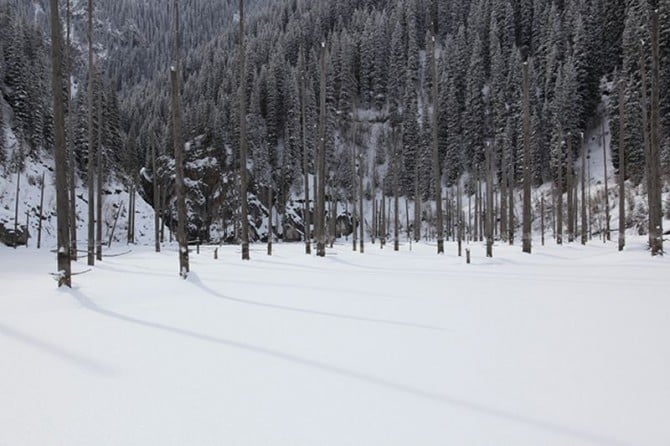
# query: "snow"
(567, 346)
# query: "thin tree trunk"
(354, 183)
(361, 215)
(243, 140)
(437, 171)
(321, 161)
(72, 177)
(459, 212)
(527, 236)
(606, 181)
(417, 205)
(16, 201)
(382, 234)
(542, 217)
(156, 200)
(270, 233)
(503, 203)
(98, 203)
(305, 165)
(175, 75)
(622, 170)
(584, 234)
(654, 189)
(39, 224)
(489, 200)
(559, 194)
(91, 144)
(568, 173)
(511, 223)
(62, 201)
(396, 216)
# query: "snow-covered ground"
(568, 346)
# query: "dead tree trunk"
(91, 144)
(568, 173)
(653, 178)
(584, 234)
(437, 171)
(622, 169)
(41, 216)
(156, 200)
(98, 176)
(243, 140)
(72, 176)
(321, 162)
(62, 202)
(606, 181)
(489, 200)
(175, 74)
(527, 236)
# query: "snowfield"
(569, 346)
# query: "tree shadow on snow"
(534, 423)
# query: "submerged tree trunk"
(91, 164)
(175, 73)
(244, 208)
(62, 202)
(622, 170)
(654, 179)
(570, 203)
(527, 236)
(321, 162)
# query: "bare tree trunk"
(16, 201)
(175, 74)
(62, 202)
(542, 217)
(396, 216)
(270, 233)
(511, 223)
(459, 212)
(321, 162)
(527, 236)
(568, 170)
(559, 194)
(606, 181)
(503, 202)
(622, 169)
(489, 200)
(91, 143)
(98, 203)
(354, 184)
(305, 165)
(654, 179)
(437, 171)
(382, 234)
(72, 177)
(584, 234)
(156, 200)
(360, 205)
(243, 140)
(417, 205)
(39, 224)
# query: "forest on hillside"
(583, 56)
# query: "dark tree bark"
(72, 177)
(606, 181)
(321, 162)
(527, 236)
(489, 200)
(559, 193)
(41, 216)
(305, 162)
(622, 169)
(62, 201)
(98, 176)
(91, 143)
(175, 72)
(157, 201)
(570, 202)
(244, 180)
(584, 233)
(653, 178)
(437, 171)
